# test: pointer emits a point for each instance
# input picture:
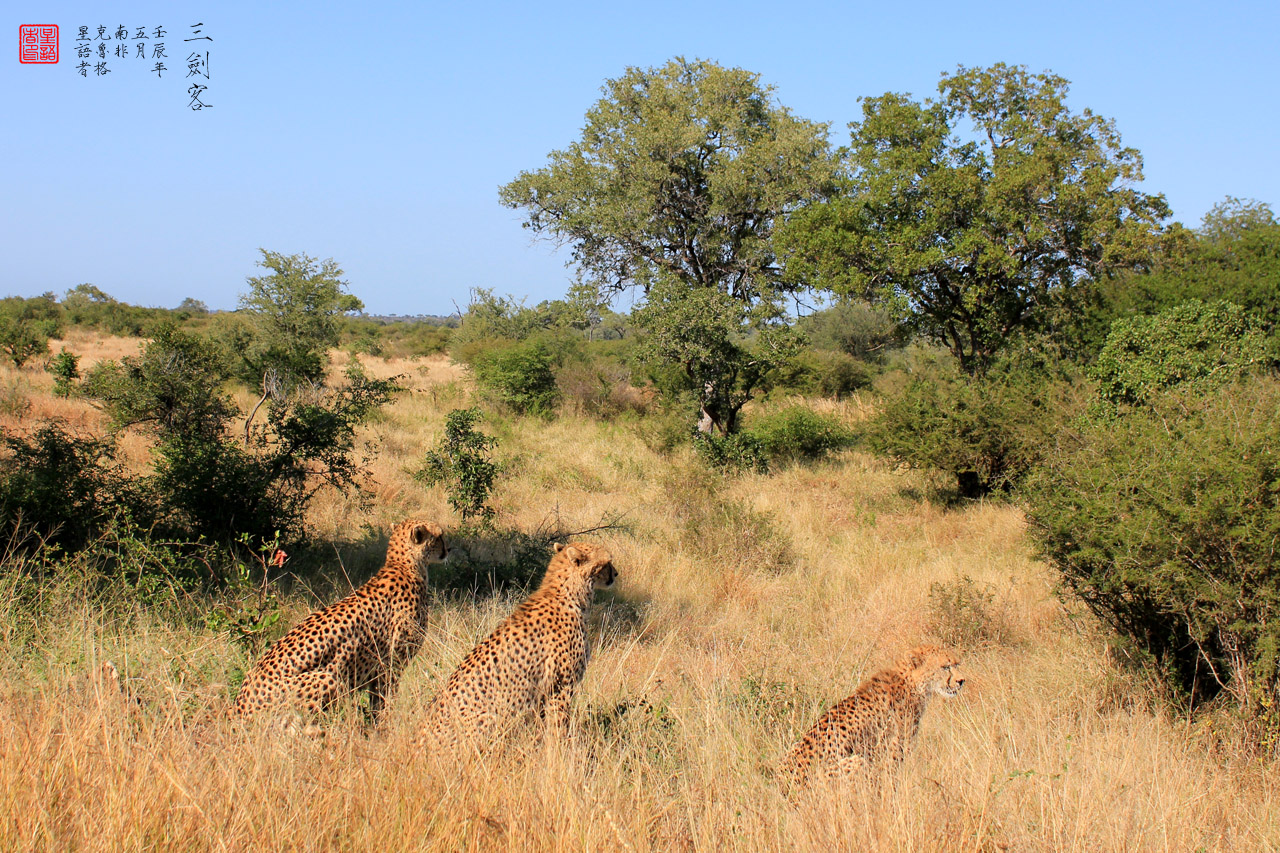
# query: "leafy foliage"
(461, 461)
(1193, 344)
(219, 487)
(62, 487)
(296, 309)
(855, 327)
(988, 430)
(89, 306)
(1234, 256)
(974, 239)
(1164, 522)
(521, 377)
(681, 171)
(675, 186)
(26, 326)
(739, 451)
(65, 367)
(798, 433)
(175, 386)
(702, 332)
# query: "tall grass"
(745, 607)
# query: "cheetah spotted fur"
(878, 723)
(359, 643)
(531, 663)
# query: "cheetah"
(531, 663)
(878, 723)
(362, 642)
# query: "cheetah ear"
(559, 546)
(420, 534)
(575, 556)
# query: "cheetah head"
(416, 543)
(592, 561)
(935, 670)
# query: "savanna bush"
(1165, 522)
(826, 373)
(1196, 343)
(258, 482)
(739, 451)
(462, 462)
(798, 433)
(520, 377)
(65, 367)
(63, 488)
(988, 430)
(26, 326)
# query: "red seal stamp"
(38, 43)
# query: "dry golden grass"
(743, 610)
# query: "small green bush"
(258, 482)
(521, 377)
(461, 461)
(798, 433)
(1165, 522)
(857, 328)
(175, 386)
(826, 373)
(65, 367)
(26, 326)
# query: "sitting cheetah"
(878, 722)
(361, 642)
(531, 663)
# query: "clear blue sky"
(378, 134)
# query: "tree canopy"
(681, 171)
(679, 178)
(297, 307)
(978, 215)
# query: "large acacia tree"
(675, 186)
(980, 215)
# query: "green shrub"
(260, 481)
(26, 326)
(61, 487)
(798, 433)
(461, 461)
(989, 430)
(1196, 343)
(854, 327)
(65, 367)
(175, 386)
(825, 373)
(1165, 523)
(521, 377)
(739, 451)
